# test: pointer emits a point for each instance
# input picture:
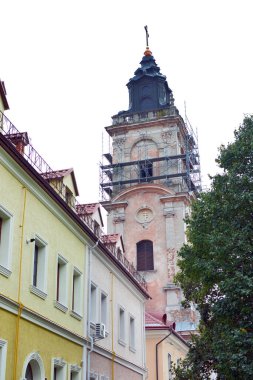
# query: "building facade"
(71, 304)
(148, 182)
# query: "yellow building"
(42, 267)
(164, 348)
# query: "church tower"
(148, 182)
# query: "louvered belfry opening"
(145, 259)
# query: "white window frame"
(3, 356)
(61, 301)
(104, 308)
(93, 376)
(122, 325)
(61, 364)
(76, 299)
(132, 333)
(76, 370)
(40, 370)
(93, 303)
(6, 242)
(40, 288)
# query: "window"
(29, 372)
(5, 241)
(146, 171)
(3, 354)
(75, 372)
(169, 367)
(76, 291)
(145, 255)
(132, 333)
(121, 326)
(93, 303)
(93, 376)
(38, 286)
(33, 367)
(59, 369)
(103, 308)
(61, 284)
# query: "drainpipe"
(156, 353)
(89, 308)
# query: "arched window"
(33, 368)
(145, 259)
(29, 372)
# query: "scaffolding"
(180, 171)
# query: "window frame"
(76, 295)
(132, 333)
(76, 370)
(93, 303)
(6, 245)
(59, 363)
(3, 357)
(146, 262)
(122, 325)
(104, 308)
(61, 301)
(40, 258)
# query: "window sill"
(61, 307)
(148, 270)
(38, 292)
(75, 315)
(132, 349)
(4, 271)
(121, 342)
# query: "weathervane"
(147, 35)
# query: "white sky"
(66, 63)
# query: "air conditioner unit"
(100, 331)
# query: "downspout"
(89, 309)
(156, 353)
(20, 305)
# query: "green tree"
(217, 267)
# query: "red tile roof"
(57, 174)
(154, 320)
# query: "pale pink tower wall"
(152, 205)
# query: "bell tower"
(147, 184)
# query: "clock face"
(162, 95)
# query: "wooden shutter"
(145, 255)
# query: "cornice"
(39, 320)
(125, 127)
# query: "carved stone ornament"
(167, 137)
(118, 217)
(144, 216)
(119, 142)
(171, 257)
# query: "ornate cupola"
(148, 89)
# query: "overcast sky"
(65, 65)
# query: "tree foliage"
(217, 267)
